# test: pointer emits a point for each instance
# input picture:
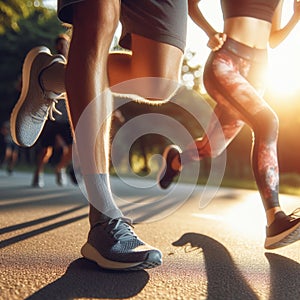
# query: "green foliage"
(13, 11)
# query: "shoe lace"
(48, 108)
(295, 214)
(120, 230)
(53, 109)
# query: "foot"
(38, 180)
(113, 245)
(283, 231)
(9, 170)
(61, 177)
(72, 175)
(34, 104)
(167, 174)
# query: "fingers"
(217, 41)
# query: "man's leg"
(155, 65)
(94, 24)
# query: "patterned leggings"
(234, 77)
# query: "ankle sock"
(100, 198)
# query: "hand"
(297, 9)
(216, 41)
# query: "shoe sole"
(283, 239)
(89, 252)
(164, 165)
(25, 86)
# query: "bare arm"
(278, 34)
(216, 39)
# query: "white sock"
(100, 197)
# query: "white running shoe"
(34, 104)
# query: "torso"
(249, 21)
(249, 31)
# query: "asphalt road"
(215, 252)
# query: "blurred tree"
(11, 12)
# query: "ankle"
(270, 214)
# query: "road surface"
(215, 252)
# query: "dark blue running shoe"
(113, 245)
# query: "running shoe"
(61, 177)
(167, 174)
(34, 104)
(284, 230)
(113, 245)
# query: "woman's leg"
(237, 96)
(222, 129)
(230, 88)
(239, 102)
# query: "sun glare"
(284, 67)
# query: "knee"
(266, 125)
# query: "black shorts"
(163, 21)
(52, 129)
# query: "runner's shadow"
(285, 279)
(84, 279)
(224, 280)
(34, 232)
(38, 221)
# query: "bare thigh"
(148, 59)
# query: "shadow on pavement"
(35, 232)
(224, 280)
(84, 279)
(285, 279)
(19, 198)
(39, 221)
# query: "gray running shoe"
(34, 104)
(166, 174)
(61, 177)
(113, 245)
(283, 231)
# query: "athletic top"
(259, 9)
